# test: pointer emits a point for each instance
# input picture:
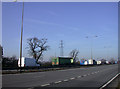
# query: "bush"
(46, 64)
(9, 62)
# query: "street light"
(21, 36)
(92, 45)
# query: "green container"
(55, 61)
(62, 61)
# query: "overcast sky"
(70, 22)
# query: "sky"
(71, 22)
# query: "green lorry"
(62, 61)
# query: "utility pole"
(21, 36)
(61, 48)
(91, 48)
(92, 45)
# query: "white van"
(27, 62)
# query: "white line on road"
(79, 76)
(96, 72)
(84, 75)
(31, 88)
(109, 81)
(58, 81)
(65, 80)
(72, 78)
(88, 74)
(45, 85)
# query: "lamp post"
(92, 45)
(21, 36)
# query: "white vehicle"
(86, 63)
(90, 62)
(27, 62)
(99, 62)
(107, 62)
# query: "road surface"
(77, 77)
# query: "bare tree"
(37, 47)
(74, 54)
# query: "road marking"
(84, 75)
(79, 76)
(109, 81)
(88, 74)
(58, 82)
(45, 85)
(65, 80)
(31, 88)
(72, 78)
(95, 72)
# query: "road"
(77, 77)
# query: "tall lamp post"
(92, 45)
(21, 36)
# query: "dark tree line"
(9, 62)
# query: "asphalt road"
(77, 77)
